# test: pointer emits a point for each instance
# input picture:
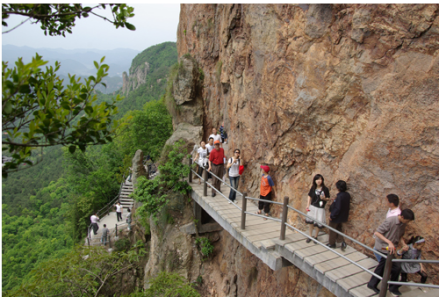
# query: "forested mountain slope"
(46, 207)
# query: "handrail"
(285, 205)
(338, 232)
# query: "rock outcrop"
(136, 77)
(138, 168)
(347, 91)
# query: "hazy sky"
(155, 23)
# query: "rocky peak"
(136, 77)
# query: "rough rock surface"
(138, 168)
(186, 104)
(136, 78)
(190, 134)
(348, 91)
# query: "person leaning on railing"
(388, 235)
(201, 158)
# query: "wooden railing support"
(190, 171)
(284, 218)
(205, 182)
(386, 275)
(116, 230)
(88, 240)
(243, 210)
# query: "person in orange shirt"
(267, 187)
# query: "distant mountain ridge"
(77, 61)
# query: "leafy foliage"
(154, 193)
(84, 271)
(205, 246)
(168, 285)
(57, 19)
(38, 111)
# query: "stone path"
(261, 237)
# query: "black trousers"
(119, 216)
(265, 205)
(422, 274)
(394, 274)
(95, 227)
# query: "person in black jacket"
(339, 214)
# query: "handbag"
(241, 169)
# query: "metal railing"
(285, 207)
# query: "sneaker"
(343, 246)
(373, 289)
(332, 246)
(308, 240)
(213, 195)
(395, 292)
(422, 289)
(230, 202)
(315, 239)
(234, 201)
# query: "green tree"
(37, 110)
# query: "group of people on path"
(389, 234)
(95, 222)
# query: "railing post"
(284, 218)
(243, 210)
(205, 181)
(190, 171)
(88, 240)
(116, 230)
(386, 275)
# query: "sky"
(155, 23)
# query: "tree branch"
(7, 31)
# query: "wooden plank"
(326, 256)
(310, 250)
(295, 246)
(350, 269)
(354, 281)
(362, 291)
(339, 262)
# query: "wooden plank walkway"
(261, 237)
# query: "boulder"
(138, 168)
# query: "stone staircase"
(125, 200)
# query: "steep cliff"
(348, 91)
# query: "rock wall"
(348, 91)
(136, 77)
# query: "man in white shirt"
(393, 202)
(210, 145)
(119, 210)
(94, 223)
(215, 136)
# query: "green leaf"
(130, 26)
(72, 149)
(7, 108)
(96, 64)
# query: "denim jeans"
(377, 256)
(234, 182)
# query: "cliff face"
(348, 91)
(136, 77)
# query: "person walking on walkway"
(388, 235)
(104, 235)
(266, 189)
(233, 167)
(129, 219)
(216, 166)
(394, 210)
(223, 134)
(215, 136)
(317, 197)
(201, 159)
(339, 214)
(119, 211)
(413, 251)
(94, 223)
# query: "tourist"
(94, 223)
(210, 145)
(413, 251)
(129, 219)
(393, 202)
(215, 136)
(339, 214)
(388, 235)
(317, 197)
(223, 134)
(201, 159)
(216, 166)
(266, 189)
(233, 167)
(104, 235)
(119, 211)
(394, 210)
